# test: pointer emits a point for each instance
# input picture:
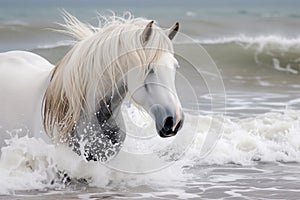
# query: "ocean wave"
(63, 43)
(25, 26)
(274, 52)
(259, 42)
(29, 163)
(262, 40)
(270, 137)
(15, 22)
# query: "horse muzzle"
(170, 127)
(167, 121)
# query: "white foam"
(262, 40)
(268, 137)
(190, 14)
(287, 68)
(30, 163)
(26, 163)
(56, 44)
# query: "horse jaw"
(156, 93)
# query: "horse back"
(24, 77)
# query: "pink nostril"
(178, 118)
(168, 123)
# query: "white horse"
(78, 101)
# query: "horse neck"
(110, 106)
(108, 127)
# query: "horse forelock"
(92, 68)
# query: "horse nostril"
(167, 129)
(169, 122)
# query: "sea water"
(246, 112)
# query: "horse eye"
(151, 71)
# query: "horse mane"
(92, 68)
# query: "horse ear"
(173, 30)
(146, 33)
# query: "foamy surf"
(262, 40)
(30, 164)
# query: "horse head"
(155, 89)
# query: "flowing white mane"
(92, 68)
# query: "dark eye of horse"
(150, 69)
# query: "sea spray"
(29, 163)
